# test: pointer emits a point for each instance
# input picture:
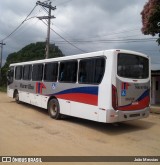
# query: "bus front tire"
(53, 109)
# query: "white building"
(155, 84)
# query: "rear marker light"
(114, 97)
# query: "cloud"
(77, 20)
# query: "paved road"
(27, 130)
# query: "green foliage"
(3, 89)
(150, 18)
(33, 51)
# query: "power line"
(122, 40)
(149, 50)
(28, 25)
(121, 32)
(69, 42)
(112, 33)
(44, 9)
(65, 33)
(112, 40)
(72, 42)
(106, 35)
(19, 25)
(62, 3)
(66, 39)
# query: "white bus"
(106, 86)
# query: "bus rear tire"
(54, 109)
(17, 97)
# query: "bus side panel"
(22, 96)
(65, 106)
(78, 100)
(102, 114)
(32, 97)
(10, 89)
(10, 92)
(105, 88)
(84, 111)
(37, 100)
(44, 101)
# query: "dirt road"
(27, 130)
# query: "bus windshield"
(132, 66)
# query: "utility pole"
(1, 43)
(49, 17)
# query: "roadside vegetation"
(33, 51)
(3, 89)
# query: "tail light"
(114, 97)
(149, 100)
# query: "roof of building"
(155, 67)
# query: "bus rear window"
(132, 66)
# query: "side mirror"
(9, 77)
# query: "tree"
(33, 51)
(151, 18)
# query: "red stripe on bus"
(79, 97)
(140, 105)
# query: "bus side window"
(99, 69)
(51, 72)
(91, 70)
(27, 72)
(18, 73)
(37, 72)
(82, 74)
(68, 71)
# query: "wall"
(155, 90)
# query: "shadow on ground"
(106, 128)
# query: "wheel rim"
(53, 109)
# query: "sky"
(88, 25)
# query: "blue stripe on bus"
(84, 90)
(145, 94)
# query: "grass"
(3, 89)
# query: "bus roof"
(80, 56)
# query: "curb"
(155, 109)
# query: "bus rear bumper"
(119, 116)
